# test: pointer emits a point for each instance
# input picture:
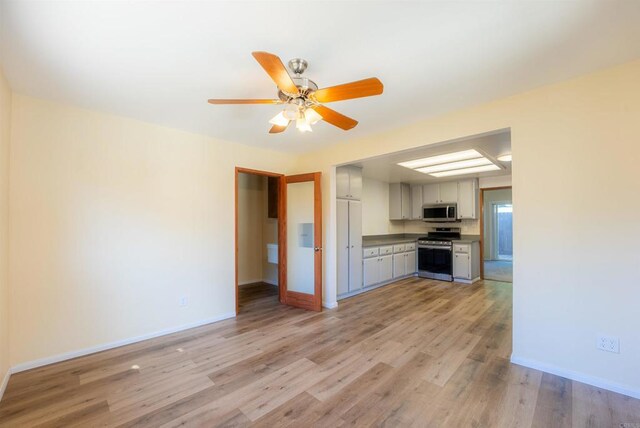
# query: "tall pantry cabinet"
(349, 228)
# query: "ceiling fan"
(302, 98)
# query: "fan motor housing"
(305, 86)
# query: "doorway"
(257, 267)
(278, 219)
(497, 234)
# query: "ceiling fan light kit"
(302, 98)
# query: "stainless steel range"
(435, 253)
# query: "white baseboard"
(329, 305)
(250, 281)
(580, 377)
(92, 350)
(5, 381)
(256, 281)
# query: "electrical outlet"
(184, 301)
(609, 344)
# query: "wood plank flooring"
(415, 353)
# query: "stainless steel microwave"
(439, 213)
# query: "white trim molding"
(577, 376)
(99, 348)
(5, 381)
(250, 281)
(329, 305)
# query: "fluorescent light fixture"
(505, 158)
(454, 165)
(279, 120)
(484, 168)
(436, 160)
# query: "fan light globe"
(302, 125)
(312, 117)
(279, 120)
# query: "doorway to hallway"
(497, 231)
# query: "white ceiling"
(385, 168)
(160, 61)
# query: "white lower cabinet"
(411, 262)
(466, 262)
(371, 271)
(399, 265)
(386, 268)
(376, 270)
(462, 266)
(382, 265)
(404, 264)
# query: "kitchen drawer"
(399, 248)
(370, 252)
(461, 248)
(410, 247)
(386, 250)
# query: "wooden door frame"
(481, 202)
(262, 174)
(295, 298)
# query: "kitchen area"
(416, 214)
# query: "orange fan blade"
(277, 71)
(359, 89)
(335, 118)
(223, 101)
(276, 129)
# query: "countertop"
(399, 238)
(467, 239)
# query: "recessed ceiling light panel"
(440, 159)
(454, 165)
(463, 171)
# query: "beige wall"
(574, 145)
(251, 209)
(467, 227)
(375, 209)
(5, 133)
(113, 221)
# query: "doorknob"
(316, 249)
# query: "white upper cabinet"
(399, 201)
(405, 202)
(431, 193)
(416, 202)
(440, 193)
(349, 182)
(449, 192)
(467, 199)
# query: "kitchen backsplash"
(468, 227)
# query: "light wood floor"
(415, 353)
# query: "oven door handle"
(433, 247)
